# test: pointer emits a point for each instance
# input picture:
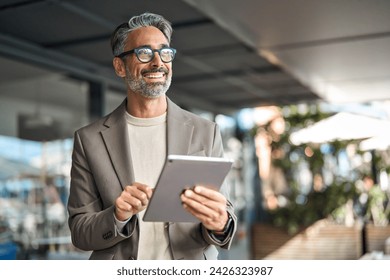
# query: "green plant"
(378, 206)
(333, 200)
(302, 212)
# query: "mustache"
(155, 70)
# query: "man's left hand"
(208, 205)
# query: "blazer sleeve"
(217, 151)
(92, 227)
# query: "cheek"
(134, 72)
(170, 70)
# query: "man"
(116, 161)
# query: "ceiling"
(231, 54)
(339, 48)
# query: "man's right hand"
(132, 200)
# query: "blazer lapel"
(117, 144)
(179, 130)
(179, 135)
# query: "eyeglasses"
(146, 54)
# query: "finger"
(122, 205)
(210, 193)
(206, 201)
(133, 204)
(132, 192)
(203, 205)
(210, 222)
(201, 217)
(147, 190)
(132, 200)
(144, 188)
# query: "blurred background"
(300, 89)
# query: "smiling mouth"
(155, 75)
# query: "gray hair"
(119, 36)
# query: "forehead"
(142, 36)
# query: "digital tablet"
(180, 173)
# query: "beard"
(148, 90)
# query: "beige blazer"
(101, 168)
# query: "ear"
(119, 66)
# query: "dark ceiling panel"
(175, 11)
(208, 88)
(181, 69)
(269, 79)
(12, 4)
(228, 57)
(212, 66)
(45, 23)
(98, 52)
(201, 36)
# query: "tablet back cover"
(179, 173)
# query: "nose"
(156, 61)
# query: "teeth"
(154, 76)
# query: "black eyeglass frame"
(136, 50)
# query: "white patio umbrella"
(380, 142)
(342, 126)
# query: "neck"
(142, 107)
